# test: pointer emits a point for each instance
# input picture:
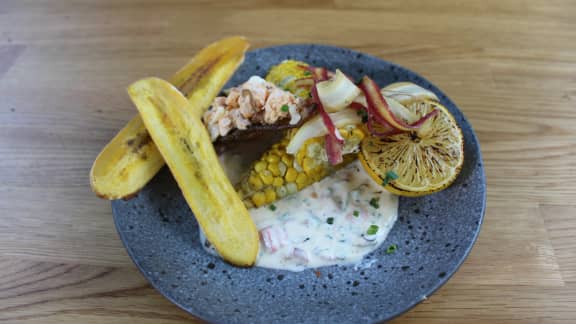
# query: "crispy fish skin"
(185, 144)
(131, 159)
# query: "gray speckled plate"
(434, 234)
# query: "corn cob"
(284, 75)
(278, 174)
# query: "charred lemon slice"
(419, 162)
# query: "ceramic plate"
(434, 234)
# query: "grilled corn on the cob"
(278, 174)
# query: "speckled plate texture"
(434, 234)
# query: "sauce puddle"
(335, 221)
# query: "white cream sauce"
(330, 222)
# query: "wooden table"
(64, 65)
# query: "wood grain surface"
(64, 65)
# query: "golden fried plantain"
(185, 144)
(131, 159)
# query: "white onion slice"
(337, 93)
(407, 93)
(400, 111)
(315, 127)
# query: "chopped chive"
(390, 175)
(307, 73)
(272, 207)
(391, 249)
(373, 229)
(330, 220)
(285, 108)
(374, 203)
(356, 213)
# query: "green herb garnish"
(356, 213)
(285, 108)
(374, 203)
(272, 207)
(391, 249)
(390, 175)
(307, 73)
(330, 220)
(373, 229)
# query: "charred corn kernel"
(300, 155)
(274, 168)
(278, 182)
(270, 195)
(267, 177)
(291, 175)
(287, 159)
(259, 199)
(273, 159)
(282, 168)
(260, 166)
(308, 165)
(256, 182)
(301, 180)
(297, 166)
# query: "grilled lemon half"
(419, 162)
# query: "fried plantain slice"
(185, 144)
(131, 159)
